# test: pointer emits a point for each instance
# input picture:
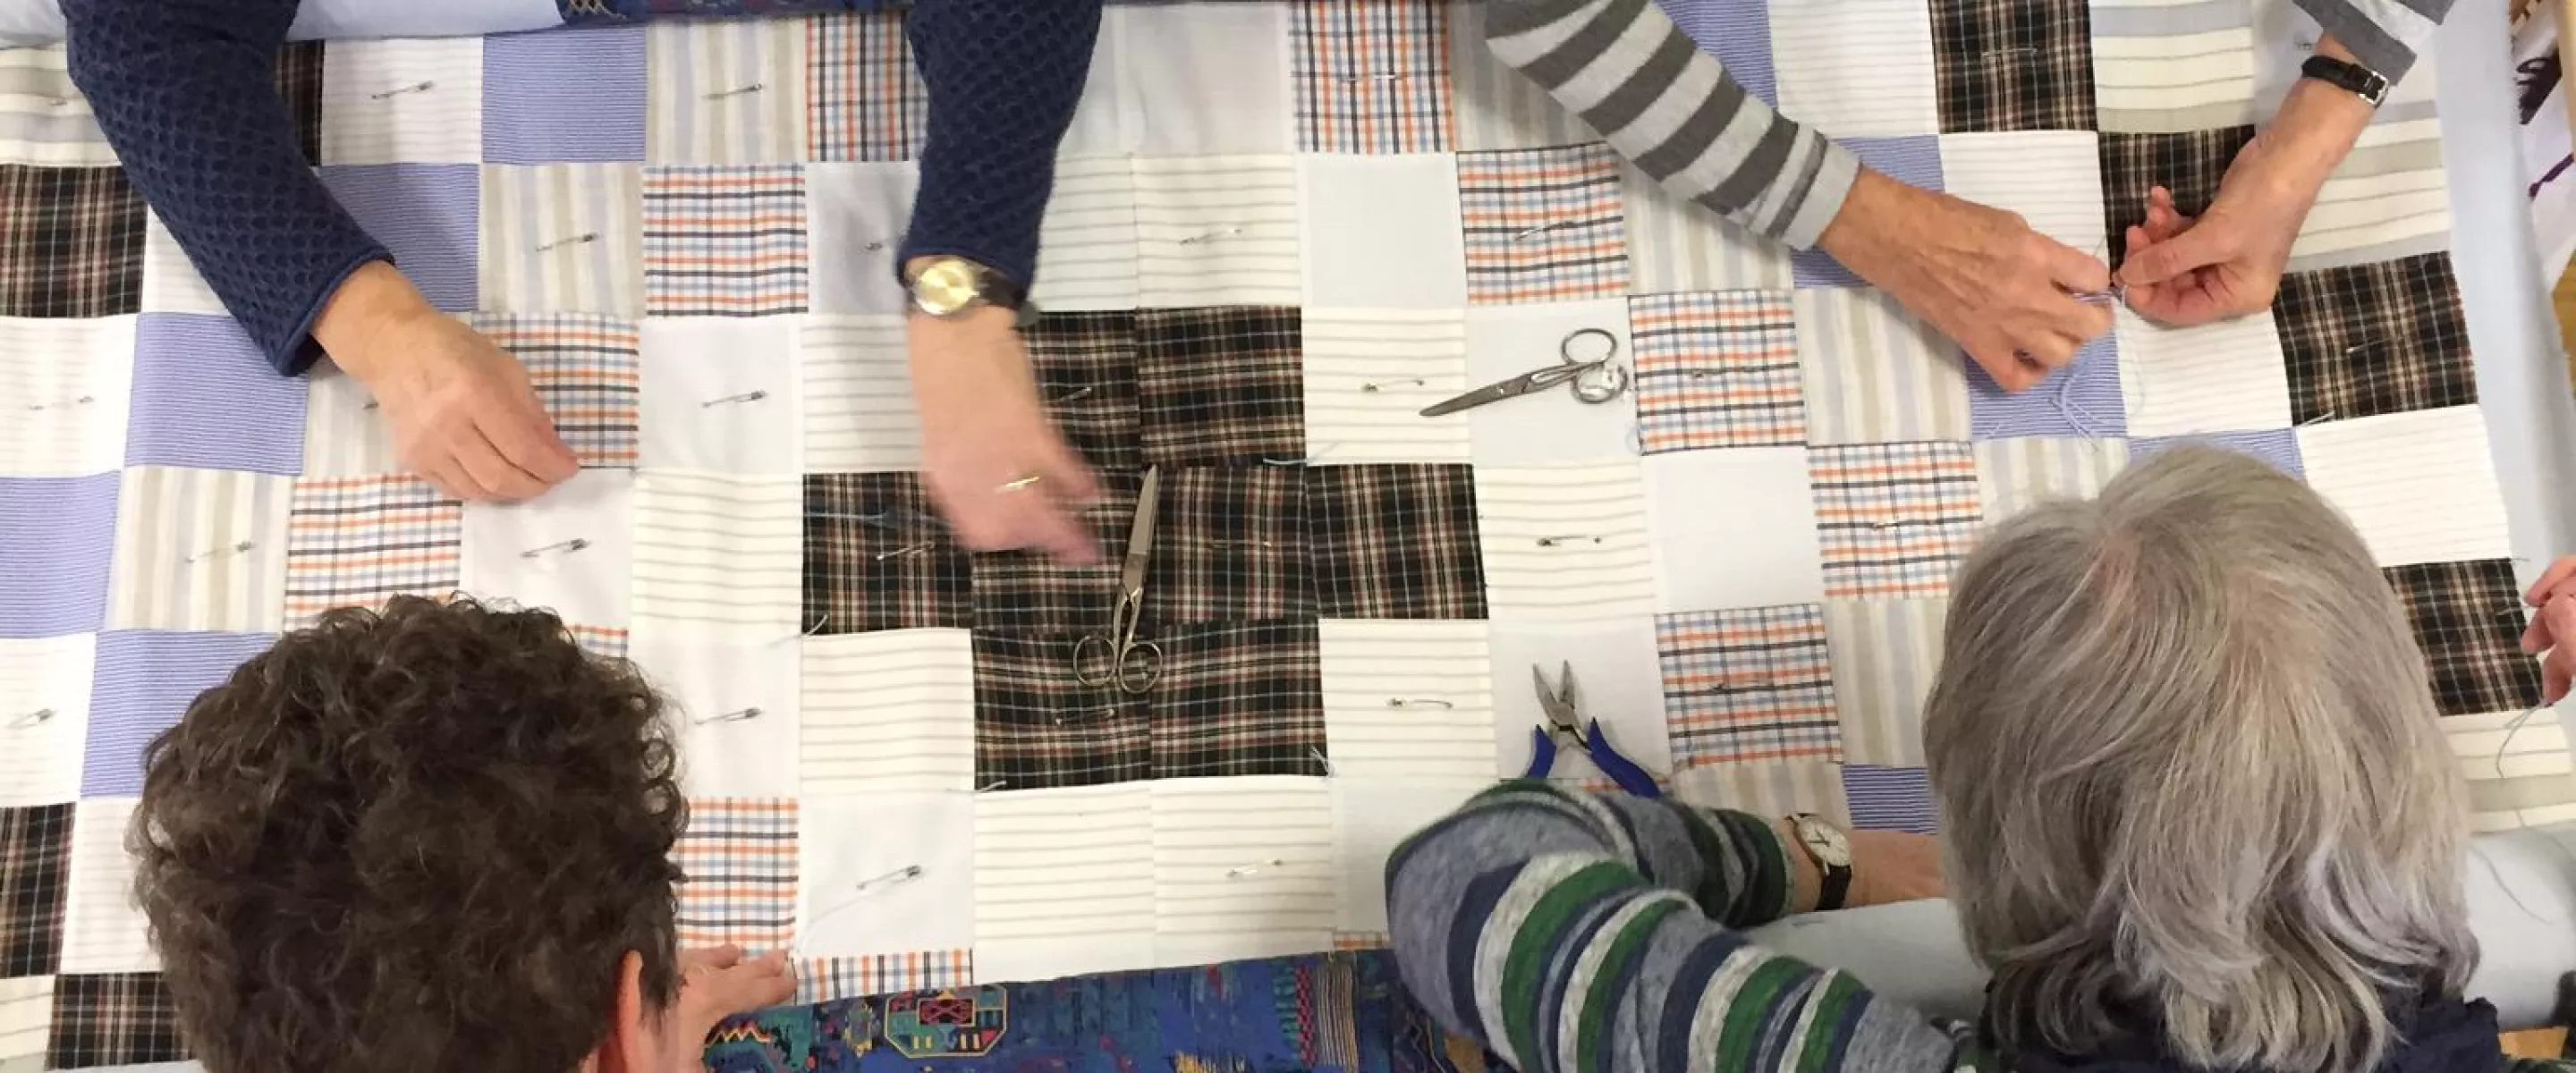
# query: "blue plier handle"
(1559, 707)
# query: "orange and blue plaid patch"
(864, 98)
(1717, 370)
(1372, 76)
(828, 979)
(738, 863)
(1543, 225)
(359, 541)
(584, 368)
(1893, 518)
(724, 241)
(1749, 685)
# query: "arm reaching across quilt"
(1004, 77)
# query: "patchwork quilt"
(1280, 230)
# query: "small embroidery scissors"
(1564, 727)
(1595, 380)
(1117, 658)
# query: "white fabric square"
(736, 704)
(1100, 121)
(411, 101)
(45, 717)
(725, 91)
(200, 549)
(1676, 245)
(1550, 426)
(1499, 107)
(1243, 868)
(1202, 78)
(717, 553)
(1771, 788)
(1885, 654)
(2221, 377)
(2016, 474)
(1383, 231)
(2507, 745)
(571, 549)
(1064, 881)
(1565, 543)
(856, 389)
(1087, 245)
(889, 711)
(171, 283)
(856, 215)
(1874, 372)
(1619, 680)
(2053, 178)
(44, 120)
(1406, 698)
(563, 238)
(2388, 199)
(859, 897)
(103, 930)
(1218, 230)
(1370, 372)
(719, 393)
(26, 1020)
(345, 435)
(71, 383)
(1372, 816)
(1734, 528)
(1856, 68)
(2420, 486)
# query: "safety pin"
(1211, 236)
(731, 717)
(908, 549)
(1236, 545)
(735, 92)
(1069, 717)
(1549, 226)
(81, 401)
(1073, 394)
(565, 546)
(576, 240)
(1306, 461)
(2017, 50)
(416, 87)
(1560, 541)
(1242, 870)
(1382, 76)
(905, 874)
(1373, 388)
(1418, 702)
(748, 396)
(2371, 342)
(228, 549)
(31, 718)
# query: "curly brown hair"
(417, 839)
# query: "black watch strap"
(2359, 80)
(1836, 887)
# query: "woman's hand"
(996, 467)
(2554, 624)
(718, 982)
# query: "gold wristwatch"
(947, 286)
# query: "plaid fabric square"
(1893, 518)
(114, 1019)
(2189, 164)
(1230, 547)
(2375, 339)
(1027, 593)
(1086, 372)
(1717, 370)
(299, 84)
(2467, 616)
(864, 98)
(877, 556)
(1220, 385)
(71, 242)
(1394, 542)
(1543, 225)
(584, 368)
(1372, 76)
(35, 862)
(2013, 64)
(605, 642)
(724, 241)
(1749, 685)
(829, 979)
(737, 863)
(1036, 727)
(359, 541)
(1239, 699)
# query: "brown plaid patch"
(2013, 64)
(299, 84)
(35, 858)
(2190, 165)
(878, 558)
(2375, 339)
(113, 1019)
(2467, 617)
(71, 242)
(1240, 699)
(1221, 384)
(1394, 542)
(1024, 592)
(1230, 546)
(1086, 370)
(1036, 727)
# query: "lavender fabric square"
(2278, 446)
(564, 97)
(145, 681)
(205, 397)
(1738, 33)
(1914, 160)
(1890, 799)
(54, 563)
(426, 214)
(2083, 399)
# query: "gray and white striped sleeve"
(1672, 110)
(2385, 35)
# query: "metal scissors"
(1611, 383)
(1117, 658)
(1564, 717)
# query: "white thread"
(992, 786)
(1306, 461)
(1322, 759)
(565, 546)
(2326, 416)
(2510, 730)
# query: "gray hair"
(2189, 771)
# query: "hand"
(717, 983)
(462, 412)
(2550, 630)
(1979, 275)
(1892, 866)
(983, 431)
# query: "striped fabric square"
(1230, 546)
(2189, 164)
(1394, 541)
(71, 383)
(1739, 35)
(1036, 727)
(46, 682)
(1749, 685)
(54, 568)
(1890, 799)
(1717, 370)
(170, 281)
(1875, 373)
(2013, 64)
(200, 549)
(2014, 475)
(1091, 907)
(2388, 199)
(1241, 698)
(877, 556)
(887, 712)
(2279, 446)
(719, 552)
(205, 397)
(834, 978)
(405, 100)
(1914, 161)
(1543, 225)
(563, 238)
(44, 120)
(1409, 700)
(1370, 372)
(1885, 655)
(427, 215)
(584, 368)
(1773, 789)
(1857, 68)
(103, 929)
(2052, 178)
(865, 99)
(2082, 398)
(1220, 385)
(854, 380)
(1089, 250)
(2420, 487)
(1676, 244)
(1572, 543)
(724, 92)
(35, 863)
(26, 1019)
(1026, 593)
(360, 541)
(145, 682)
(2174, 65)
(2468, 618)
(857, 216)
(1087, 372)
(1243, 869)
(1893, 518)
(114, 1019)
(564, 97)
(2228, 376)
(738, 861)
(2375, 339)
(724, 241)
(1372, 76)
(71, 242)
(1216, 230)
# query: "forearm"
(1004, 77)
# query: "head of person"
(2191, 779)
(435, 837)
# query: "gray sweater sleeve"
(2386, 35)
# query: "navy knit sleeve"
(186, 92)
(1004, 76)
